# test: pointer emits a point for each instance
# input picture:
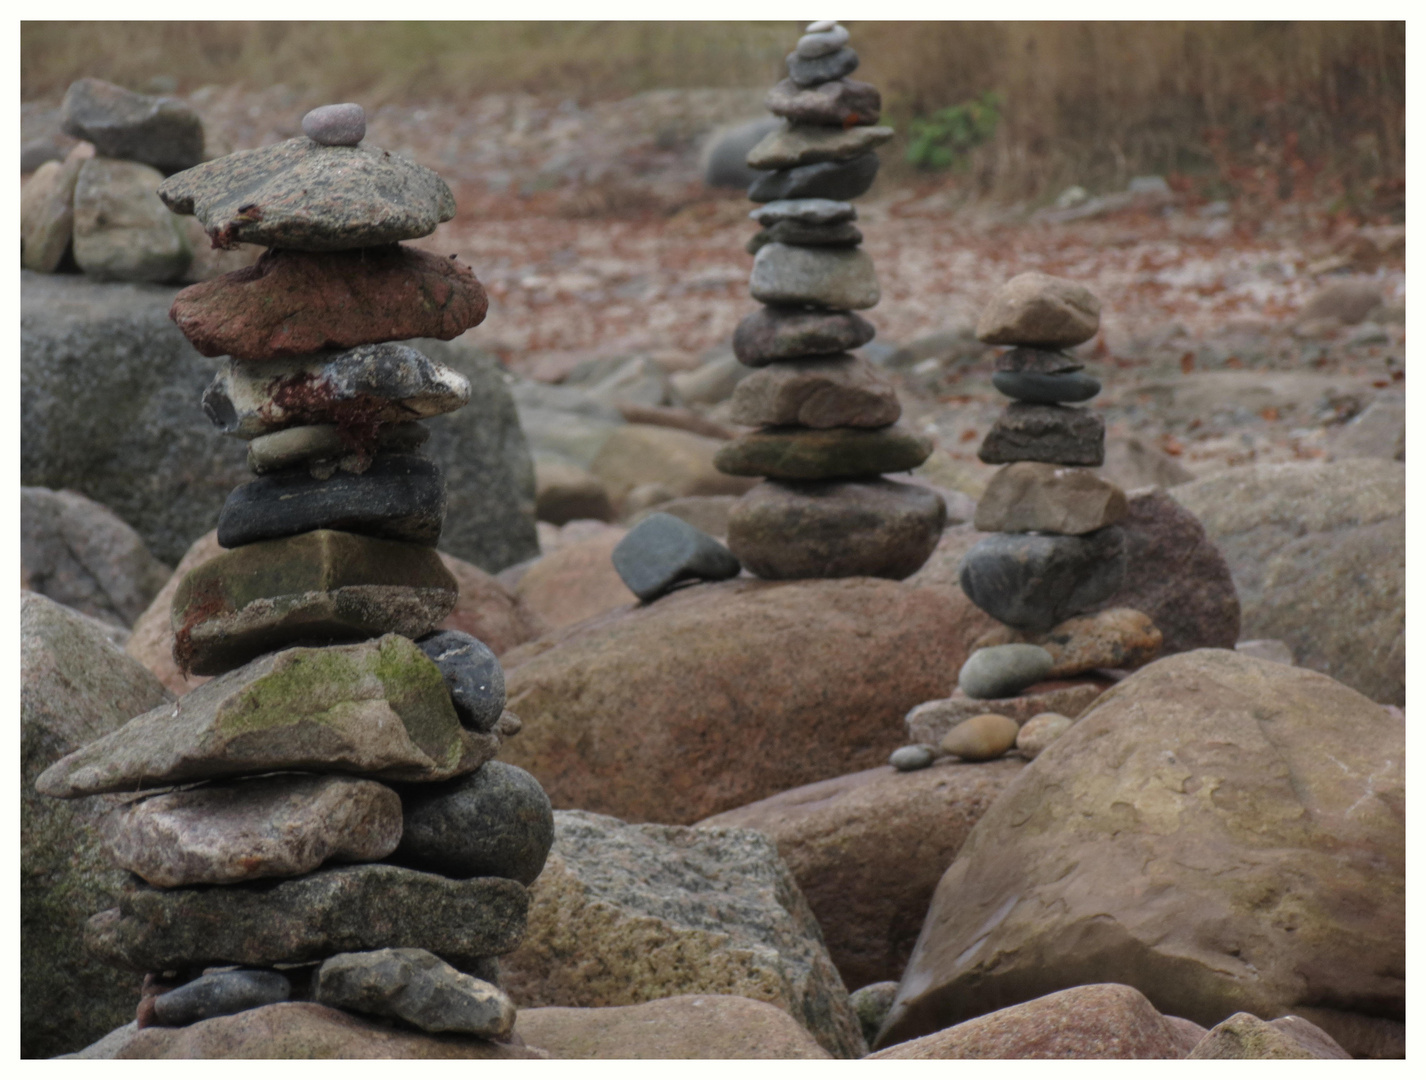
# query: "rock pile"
(827, 420)
(100, 205)
(323, 820)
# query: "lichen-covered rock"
(630, 913)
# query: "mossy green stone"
(826, 454)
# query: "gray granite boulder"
(159, 131)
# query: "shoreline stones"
(826, 420)
(343, 734)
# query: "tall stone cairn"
(323, 821)
(827, 419)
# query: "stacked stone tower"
(323, 820)
(827, 419)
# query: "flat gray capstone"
(661, 551)
(158, 131)
(221, 993)
(300, 194)
(415, 986)
(1004, 670)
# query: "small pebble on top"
(335, 125)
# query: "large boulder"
(110, 394)
(1318, 555)
(576, 581)
(717, 695)
(1225, 834)
(867, 850)
(75, 686)
(624, 914)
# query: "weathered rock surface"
(340, 909)
(684, 1027)
(121, 230)
(682, 461)
(1030, 496)
(274, 826)
(47, 212)
(415, 986)
(1318, 557)
(76, 685)
(794, 144)
(930, 721)
(1115, 638)
(1243, 1035)
(1039, 731)
(295, 302)
(379, 707)
(791, 453)
(628, 913)
(841, 102)
(644, 713)
(159, 131)
(868, 848)
(1260, 806)
(1058, 434)
(1034, 582)
(220, 993)
(1096, 1022)
(1037, 309)
(575, 582)
(773, 333)
(836, 279)
(840, 390)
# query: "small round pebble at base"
(913, 757)
(335, 125)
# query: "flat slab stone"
(840, 390)
(663, 551)
(1034, 582)
(1026, 358)
(399, 497)
(290, 303)
(804, 211)
(774, 333)
(299, 194)
(159, 131)
(839, 180)
(1040, 310)
(273, 826)
(358, 390)
(415, 986)
(828, 454)
(877, 528)
(809, 71)
(378, 708)
(323, 450)
(1064, 386)
(222, 993)
(340, 909)
(1030, 496)
(841, 102)
(1057, 434)
(819, 277)
(806, 144)
(317, 587)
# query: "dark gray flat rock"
(661, 551)
(837, 180)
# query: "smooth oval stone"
(791, 145)
(1039, 731)
(323, 442)
(838, 103)
(818, 392)
(1030, 496)
(1041, 310)
(843, 234)
(876, 528)
(1046, 389)
(826, 454)
(837, 180)
(1004, 670)
(805, 211)
(809, 71)
(473, 676)
(818, 277)
(981, 738)
(495, 822)
(662, 551)
(1035, 582)
(913, 757)
(774, 333)
(1036, 361)
(399, 497)
(1056, 434)
(222, 993)
(335, 125)
(822, 41)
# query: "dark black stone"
(820, 69)
(842, 234)
(775, 333)
(473, 675)
(822, 180)
(1046, 389)
(1058, 434)
(400, 497)
(662, 550)
(1034, 582)
(494, 822)
(220, 994)
(1039, 361)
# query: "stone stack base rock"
(323, 821)
(827, 419)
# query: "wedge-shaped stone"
(273, 826)
(1037, 309)
(342, 909)
(820, 392)
(418, 987)
(297, 194)
(378, 707)
(358, 390)
(316, 587)
(844, 102)
(1031, 496)
(806, 144)
(828, 454)
(159, 131)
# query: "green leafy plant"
(945, 139)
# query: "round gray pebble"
(1004, 670)
(913, 757)
(817, 43)
(335, 125)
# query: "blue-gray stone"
(838, 180)
(913, 757)
(662, 550)
(1035, 582)
(1046, 389)
(809, 71)
(473, 676)
(1004, 670)
(220, 994)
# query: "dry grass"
(1278, 108)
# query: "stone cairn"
(330, 825)
(827, 419)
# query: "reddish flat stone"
(295, 302)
